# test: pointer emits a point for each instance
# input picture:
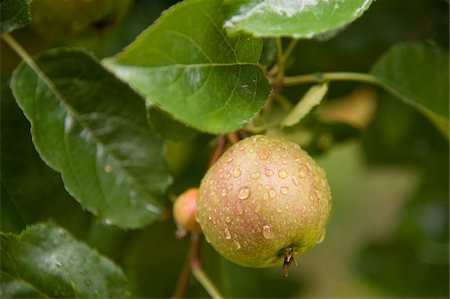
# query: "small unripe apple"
(184, 212)
(264, 202)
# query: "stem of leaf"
(21, 52)
(204, 280)
(183, 280)
(289, 50)
(333, 76)
(280, 64)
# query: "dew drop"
(237, 172)
(268, 172)
(272, 193)
(237, 244)
(255, 175)
(244, 193)
(224, 192)
(279, 210)
(230, 159)
(321, 238)
(282, 174)
(264, 156)
(228, 219)
(284, 190)
(285, 162)
(260, 187)
(267, 233)
(295, 180)
(266, 196)
(239, 209)
(227, 175)
(227, 234)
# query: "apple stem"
(288, 259)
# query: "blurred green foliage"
(389, 232)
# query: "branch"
(323, 77)
(219, 150)
(183, 280)
(205, 281)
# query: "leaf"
(188, 66)
(418, 74)
(35, 190)
(167, 127)
(92, 128)
(293, 18)
(14, 14)
(312, 98)
(46, 261)
(10, 220)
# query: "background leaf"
(188, 66)
(298, 18)
(47, 261)
(34, 191)
(418, 74)
(166, 126)
(92, 128)
(14, 14)
(312, 98)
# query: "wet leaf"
(297, 18)
(418, 74)
(46, 261)
(92, 128)
(14, 14)
(192, 70)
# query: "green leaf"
(92, 128)
(14, 14)
(418, 74)
(188, 66)
(167, 127)
(296, 18)
(46, 261)
(34, 190)
(312, 98)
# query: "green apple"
(264, 202)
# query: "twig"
(334, 76)
(183, 280)
(233, 137)
(289, 49)
(222, 142)
(204, 280)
